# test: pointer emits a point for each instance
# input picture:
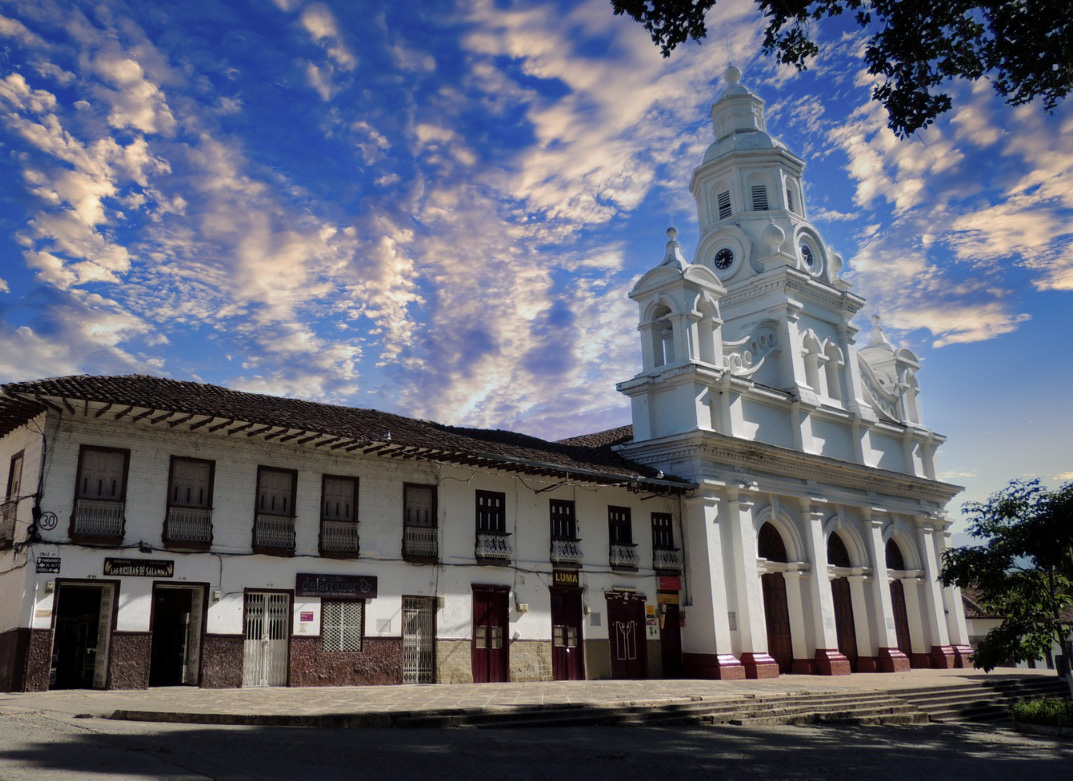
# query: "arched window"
(895, 560)
(662, 337)
(769, 544)
(837, 555)
(834, 372)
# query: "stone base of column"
(920, 661)
(803, 667)
(759, 665)
(943, 657)
(715, 667)
(891, 660)
(867, 664)
(961, 655)
(830, 661)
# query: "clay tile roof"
(613, 436)
(388, 433)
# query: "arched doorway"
(770, 546)
(896, 562)
(845, 628)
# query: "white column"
(752, 630)
(796, 608)
(858, 596)
(707, 629)
(683, 344)
(648, 346)
(828, 659)
(942, 654)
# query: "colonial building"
(774, 507)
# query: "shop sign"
(670, 583)
(561, 578)
(667, 599)
(334, 586)
(48, 564)
(139, 568)
(305, 616)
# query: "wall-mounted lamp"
(144, 547)
(50, 586)
(217, 595)
(523, 607)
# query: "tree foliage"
(1021, 570)
(1023, 47)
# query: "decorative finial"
(879, 339)
(732, 75)
(875, 320)
(673, 255)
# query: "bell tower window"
(724, 204)
(759, 198)
(789, 198)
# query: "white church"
(774, 508)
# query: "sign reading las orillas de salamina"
(139, 568)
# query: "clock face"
(806, 253)
(723, 259)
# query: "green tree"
(1021, 570)
(1023, 47)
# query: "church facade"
(774, 507)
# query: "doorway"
(901, 618)
(490, 624)
(845, 627)
(267, 638)
(175, 659)
(670, 636)
(777, 616)
(83, 630)
(418, 640)
(626, 630)
(567, 663)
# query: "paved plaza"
(415, 698)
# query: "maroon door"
(626, 630)
(566, 654)
(777, 614)
(490, 624)
(901, 618)
(844, 626)
(670, 641)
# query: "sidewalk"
(369, 700)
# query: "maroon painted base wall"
(128, 660)
(13, 647)
(759, 665)
(379, 661)
(221, 661)
(720, 667)
(38, 661)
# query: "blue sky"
(440, 212)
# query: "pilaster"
(829, 661)
(888, 657)
(942, 653)
(752, 629)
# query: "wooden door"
(626, 630)
(844, 625)
(901, 618)
(490, 624)
(777, 614)
(670, 640)
(566, 650)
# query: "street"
(36, 745)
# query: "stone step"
(983, 701)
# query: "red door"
(844, 626)
(626, 628)
(490, 623)
(670, 640)
(901, 618)
(566, 654)
(777, 614)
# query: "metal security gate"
(267, 625)
(418, 640)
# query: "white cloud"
(320, 23)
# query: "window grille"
(341, 625)
(759, 198)
(724, 204)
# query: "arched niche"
(770, 545)
(791, 540)
(835, 370)
(897, 533)
(848, 538)
(660, 329)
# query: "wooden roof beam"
(165, 416)
(238, 429)
(145, 414)
(201, 423)
(218, 426)
(255, 432)
(180, 421)
(289, 437)
(103, 409)
(124, 412)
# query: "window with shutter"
(191, 483)
(619, 525)
(662, 531)
(491, 511)
(724, 204)
(759, 198)
(789, 198)
(9, 508)
(103, 474)
(563, 520)
(419, 506)
(275, 492)
(339, 499)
